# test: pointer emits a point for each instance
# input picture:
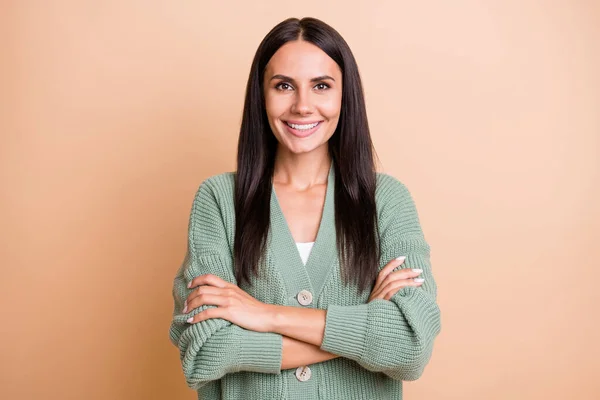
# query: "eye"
(322, 86)
(283, 86)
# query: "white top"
(304, 250)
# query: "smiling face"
(303, 96)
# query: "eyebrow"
(287, 78)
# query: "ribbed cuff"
(345, 330)
(260, 351)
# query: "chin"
(300, 148)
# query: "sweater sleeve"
(393, 336)
(212, 348)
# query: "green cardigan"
(381, 343)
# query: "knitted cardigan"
(381, 343)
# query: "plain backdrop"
(113, 112)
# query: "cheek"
(331, 107)
(268, 105)
(275, 105)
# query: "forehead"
(300, 59)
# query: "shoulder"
(213, 201)
(213, 211)
(396, 209)
(212, 216)
(219, 184)
(390, 190)
(217, 189)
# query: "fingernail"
(185, 309)
(401, 258)
(190, 319)
(419, 280)
(189, 285)
(417, 270)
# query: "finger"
(374, 295)
(207, 300)
(209, 279)
(397, 285)
(379, 293)
(404, 273)
(208, 314)
(391, 293)
(390, 266)
(380, 290)
(206, 289)
(384, 273)
(394, 287)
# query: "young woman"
(307, 274)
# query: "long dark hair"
(350, 148)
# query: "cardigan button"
(304, 297)
(303, 373)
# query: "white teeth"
(302, 127)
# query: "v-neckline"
(312, 275)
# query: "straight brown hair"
(350, 148)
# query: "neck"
(302, 171)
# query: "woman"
(307, 274)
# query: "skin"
(301, 83)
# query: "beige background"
(113, 112)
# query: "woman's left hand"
(233, 304)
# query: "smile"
(302, 127)
(302, 130)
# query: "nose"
(302, 104)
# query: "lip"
(304, 133)
(301, 122)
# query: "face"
(303, 96)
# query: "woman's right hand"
(388, 283)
